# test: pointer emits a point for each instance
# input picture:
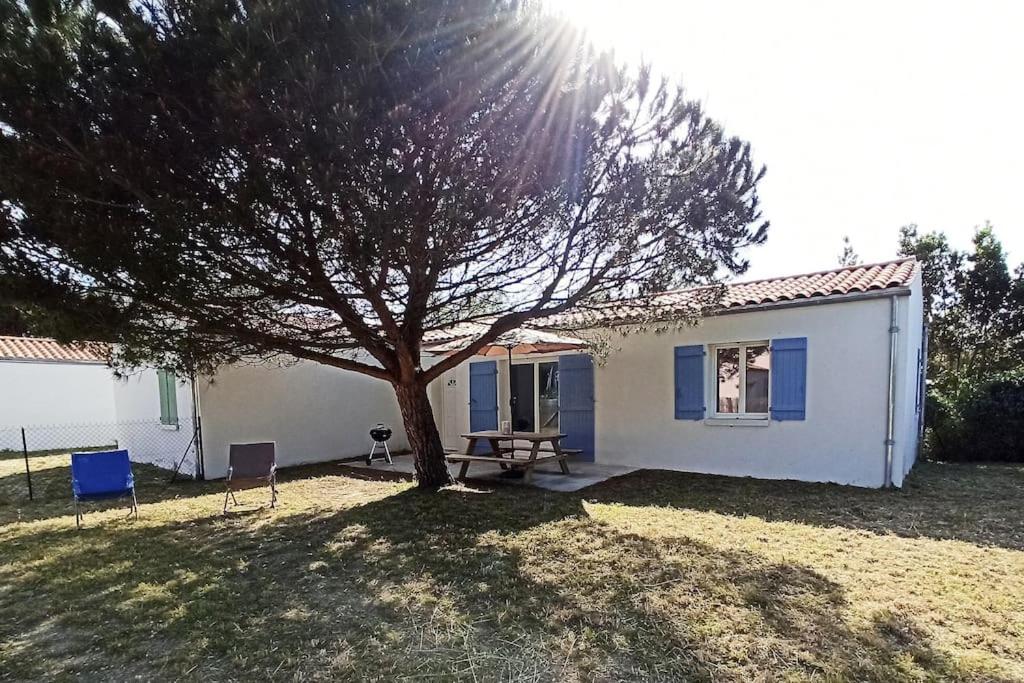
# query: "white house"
(829, 388)
(814, 377)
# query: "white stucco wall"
(137, 398)
(40, 395)
(841, 440)
(137, 407)
(313, 412)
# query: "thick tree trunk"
(424, 439)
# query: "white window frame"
(713, 383)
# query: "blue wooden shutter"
(576, 403)
(483, 399)
(789, 379)
(689, 373)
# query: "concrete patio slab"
(545, 475)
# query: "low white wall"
(841, 440)
(313, 412)
(48, 394)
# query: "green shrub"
(980, 422)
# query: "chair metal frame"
(133, 507)
(271, 479)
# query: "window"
(742, 379)
(167, 384)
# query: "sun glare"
(598, 19)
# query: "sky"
(868, 115)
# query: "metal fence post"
(28, 471)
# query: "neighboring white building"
(65, 396)
(44, 383)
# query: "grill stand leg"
(373, 449)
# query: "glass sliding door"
(523, 401)
(535, 397)
(547, 397)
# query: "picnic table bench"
(548, 444)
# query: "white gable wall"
(313, 412)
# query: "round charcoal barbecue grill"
(380, 435)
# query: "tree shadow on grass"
(983, 505)
(51, 486)
(480, 584)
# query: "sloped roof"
(841, 281)
(44, 349)
(824, 285)
(521, 337)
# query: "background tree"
(12, 322)
(848, 257)
(975, 311)
(201, 180)
(972, 303)
(940, 265)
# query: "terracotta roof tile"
(849, 280)
(43, 349)
(842, 281)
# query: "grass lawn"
(654, 576)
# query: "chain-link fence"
(43, 447)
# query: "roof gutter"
(55, 361)
(890, 421)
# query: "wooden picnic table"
(498, 451)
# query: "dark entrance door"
(522, 398)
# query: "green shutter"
(168, 397)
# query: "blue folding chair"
(99, 475)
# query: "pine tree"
(208, 180)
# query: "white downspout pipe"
(197, 429)
(890, 426)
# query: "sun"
(600, 20)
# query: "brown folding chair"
(251, 465)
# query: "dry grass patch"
(655, 576)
